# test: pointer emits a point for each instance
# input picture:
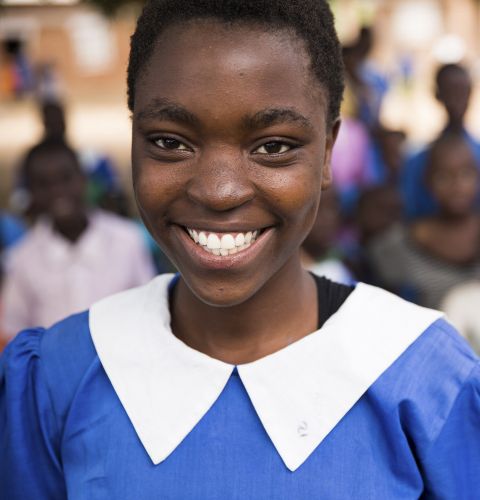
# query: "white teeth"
(223, 244)
(213, 242)
(228, 242)
(202, 239)
(240, 240)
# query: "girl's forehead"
(211, 62)
(206, 32)
(215, 45)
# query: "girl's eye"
(171, 144)
(273, 148)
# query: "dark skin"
(58, 190)
(231, 135)
(453, 92)
(452, 235)
(53, 118)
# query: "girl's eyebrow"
(164, 109)
(274, 116)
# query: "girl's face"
(230, 149)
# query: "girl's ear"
(327, 163)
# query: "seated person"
(422, 261)
(453, 91)
(72, 256)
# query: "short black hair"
(45, 147)
(311, 20)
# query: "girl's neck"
(281, 312)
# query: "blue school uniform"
(383, 402)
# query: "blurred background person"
(321, 254)
(379, 208)
(104, 186)
(386, 156)
(72, 256)
(453, 89)
(423, 260)
(366, 85)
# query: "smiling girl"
(244, 377)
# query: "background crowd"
(401, 217)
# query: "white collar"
(300, 393)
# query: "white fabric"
(48, 278)
(332, 269)
(462, 305)
(300, 393)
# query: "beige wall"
(97, 113)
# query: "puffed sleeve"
(30, 467)
(452, 463)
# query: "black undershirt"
(330, 297)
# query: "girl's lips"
(206, 258)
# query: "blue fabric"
(417, 200)
(414, 433)
(378, 85)
(11, 230)
(378, 169)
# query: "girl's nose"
(221, 183)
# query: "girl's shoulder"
(58, 356)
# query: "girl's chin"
(221, 293)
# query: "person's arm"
(30, 467)
(451, 464)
